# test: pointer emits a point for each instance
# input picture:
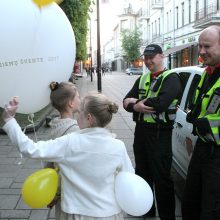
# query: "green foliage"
(131, 42)
(77, 12)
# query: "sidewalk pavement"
(14, 169)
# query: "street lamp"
(99, 79)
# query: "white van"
(183, 140)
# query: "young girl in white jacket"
(88, 159)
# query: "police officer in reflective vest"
(153, 101)
(201, 199)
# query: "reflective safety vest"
(210, 109)
(148, 89)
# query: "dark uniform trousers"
(201, 199)
(153, 158)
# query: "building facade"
(173, 24)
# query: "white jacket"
(88, 159)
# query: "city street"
(14, 169)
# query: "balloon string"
(31, 120)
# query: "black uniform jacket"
(170, 90)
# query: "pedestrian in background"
(65, 99)
(93, 70)
(88, 70)
(153, 101)
(103, 71)
(201, 199)
(88, 159)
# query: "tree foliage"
(77, 12)
(131, 42)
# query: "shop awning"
(178, 48)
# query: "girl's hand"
(10, 109)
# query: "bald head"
(212, 30)
(209, 45)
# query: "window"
(185, 56)
(177, 17)
(183, 14)
(197, 5)
(124, 24)
(184, 76)
(170, 19)
(197, 10)
(152, 30)
(148, 37)
(192, 92)
(205, 7)
(190, 11)
(159, 31)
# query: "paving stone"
(23, 174)
(14, 153)
(39, 215)
(16, 185)
(10, 191)
(15, 214)
(21, 204)
(5, 182)
(5, 150)
(7, 161)
(122, 133)
(18, 218)
(8, 201)
(33, 164)
(52, 213)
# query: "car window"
(184, 76)
(192, 92)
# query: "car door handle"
(179, 125)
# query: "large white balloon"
(37, 46)
(133, 194)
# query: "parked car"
(183, 141)
(134, 71)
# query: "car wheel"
(130, 74)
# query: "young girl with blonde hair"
(89, 159)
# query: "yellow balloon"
(40, 188)
(46, 2)
(58, 1)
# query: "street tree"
(131, 42)
(77, 12)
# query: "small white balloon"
(37, 47)
(133, 194)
